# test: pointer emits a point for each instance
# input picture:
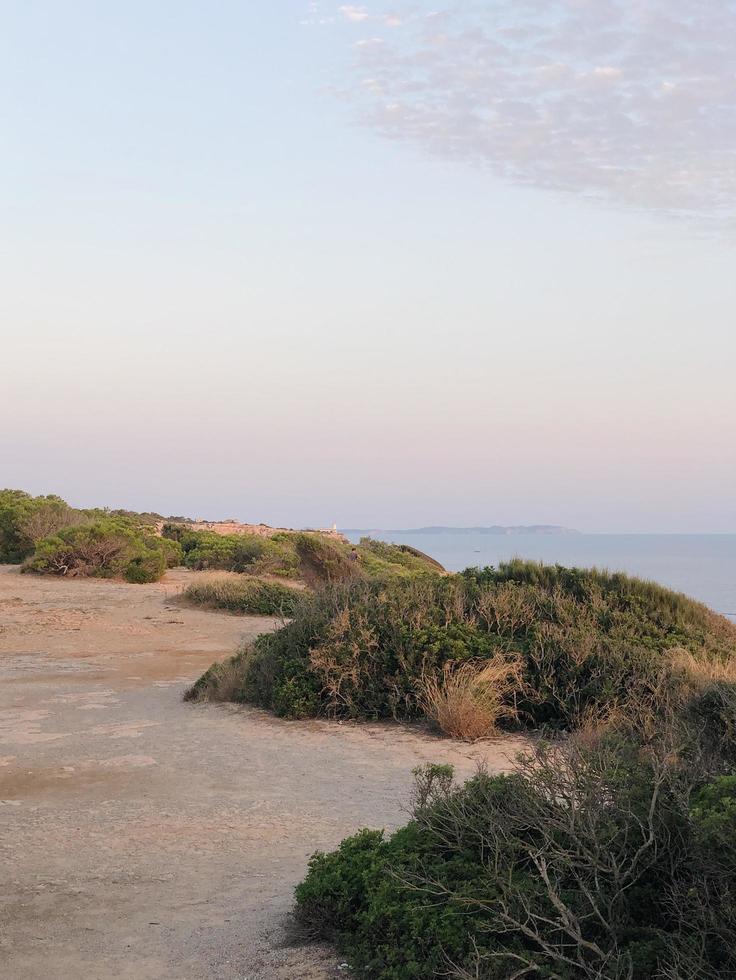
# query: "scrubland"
(606, 854)
(48, 537)
(609, 853)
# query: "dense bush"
(309, 556)
(104, 548)
(588, 643)
(322, 560)
(172, 551)
(148, 565)
(243, 595)
(50, 535)
(202, 549)
(602, 861)
(374, 554)
(25, 519)
(252, 553)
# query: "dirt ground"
(145, 839)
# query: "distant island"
(493, 529)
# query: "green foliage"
(102, 548)
(713, 812)
(402, 555)
(588, 863)
(251, 553)
(42, 529)
(330, 898)
(712, 712)
(244, 595)
(148, 565)
(312, 557)
(322, 560)
(25, 519)
(172, 551)
(222, 682)
(431, 780)
(370, 898)
(589, 643)
(205, 549)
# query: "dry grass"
(242, 594)
(229, 683)
(222, 682)
(468, 700)
(704, 669)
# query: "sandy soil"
(145, 839)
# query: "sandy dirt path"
(145, 839)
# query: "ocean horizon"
(700, 565)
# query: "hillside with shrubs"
(609, 854)
(606, 858)
(49, 537)
(521, 645)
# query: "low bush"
(205, 549)
(596, 861)
(24, 520)
(378, 556)
(322, 560)
(222, 682)
(28, 524)
(148, 565)
(172, 551)
(243, 595)
(106, 548)
(312, 557)
(588, 643)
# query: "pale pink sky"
(233, 285)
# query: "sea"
(701, 565)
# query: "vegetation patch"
(604, 859)
(468, 700)
(587, 644)
(25, 519)
(608, 855)
(103, 548)
(244, 595)
(249, 553)
(51, 537)
(312, 557)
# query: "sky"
(379, 265)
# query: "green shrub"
(589, 643)
(175, 530)
(148, 566)
(206, 549)
(172, 551)
(380, 558)
(310, 556)
(234, 552)
(248, 549)
(322, 560)
(590, 862)
(244, 595)
(24, 520)
(106, 548)
(222, 682)
(712, 712)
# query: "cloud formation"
(354, 13)
(629, 101)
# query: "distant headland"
(493, 529)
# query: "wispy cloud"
(631, 101)
(355, 14)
